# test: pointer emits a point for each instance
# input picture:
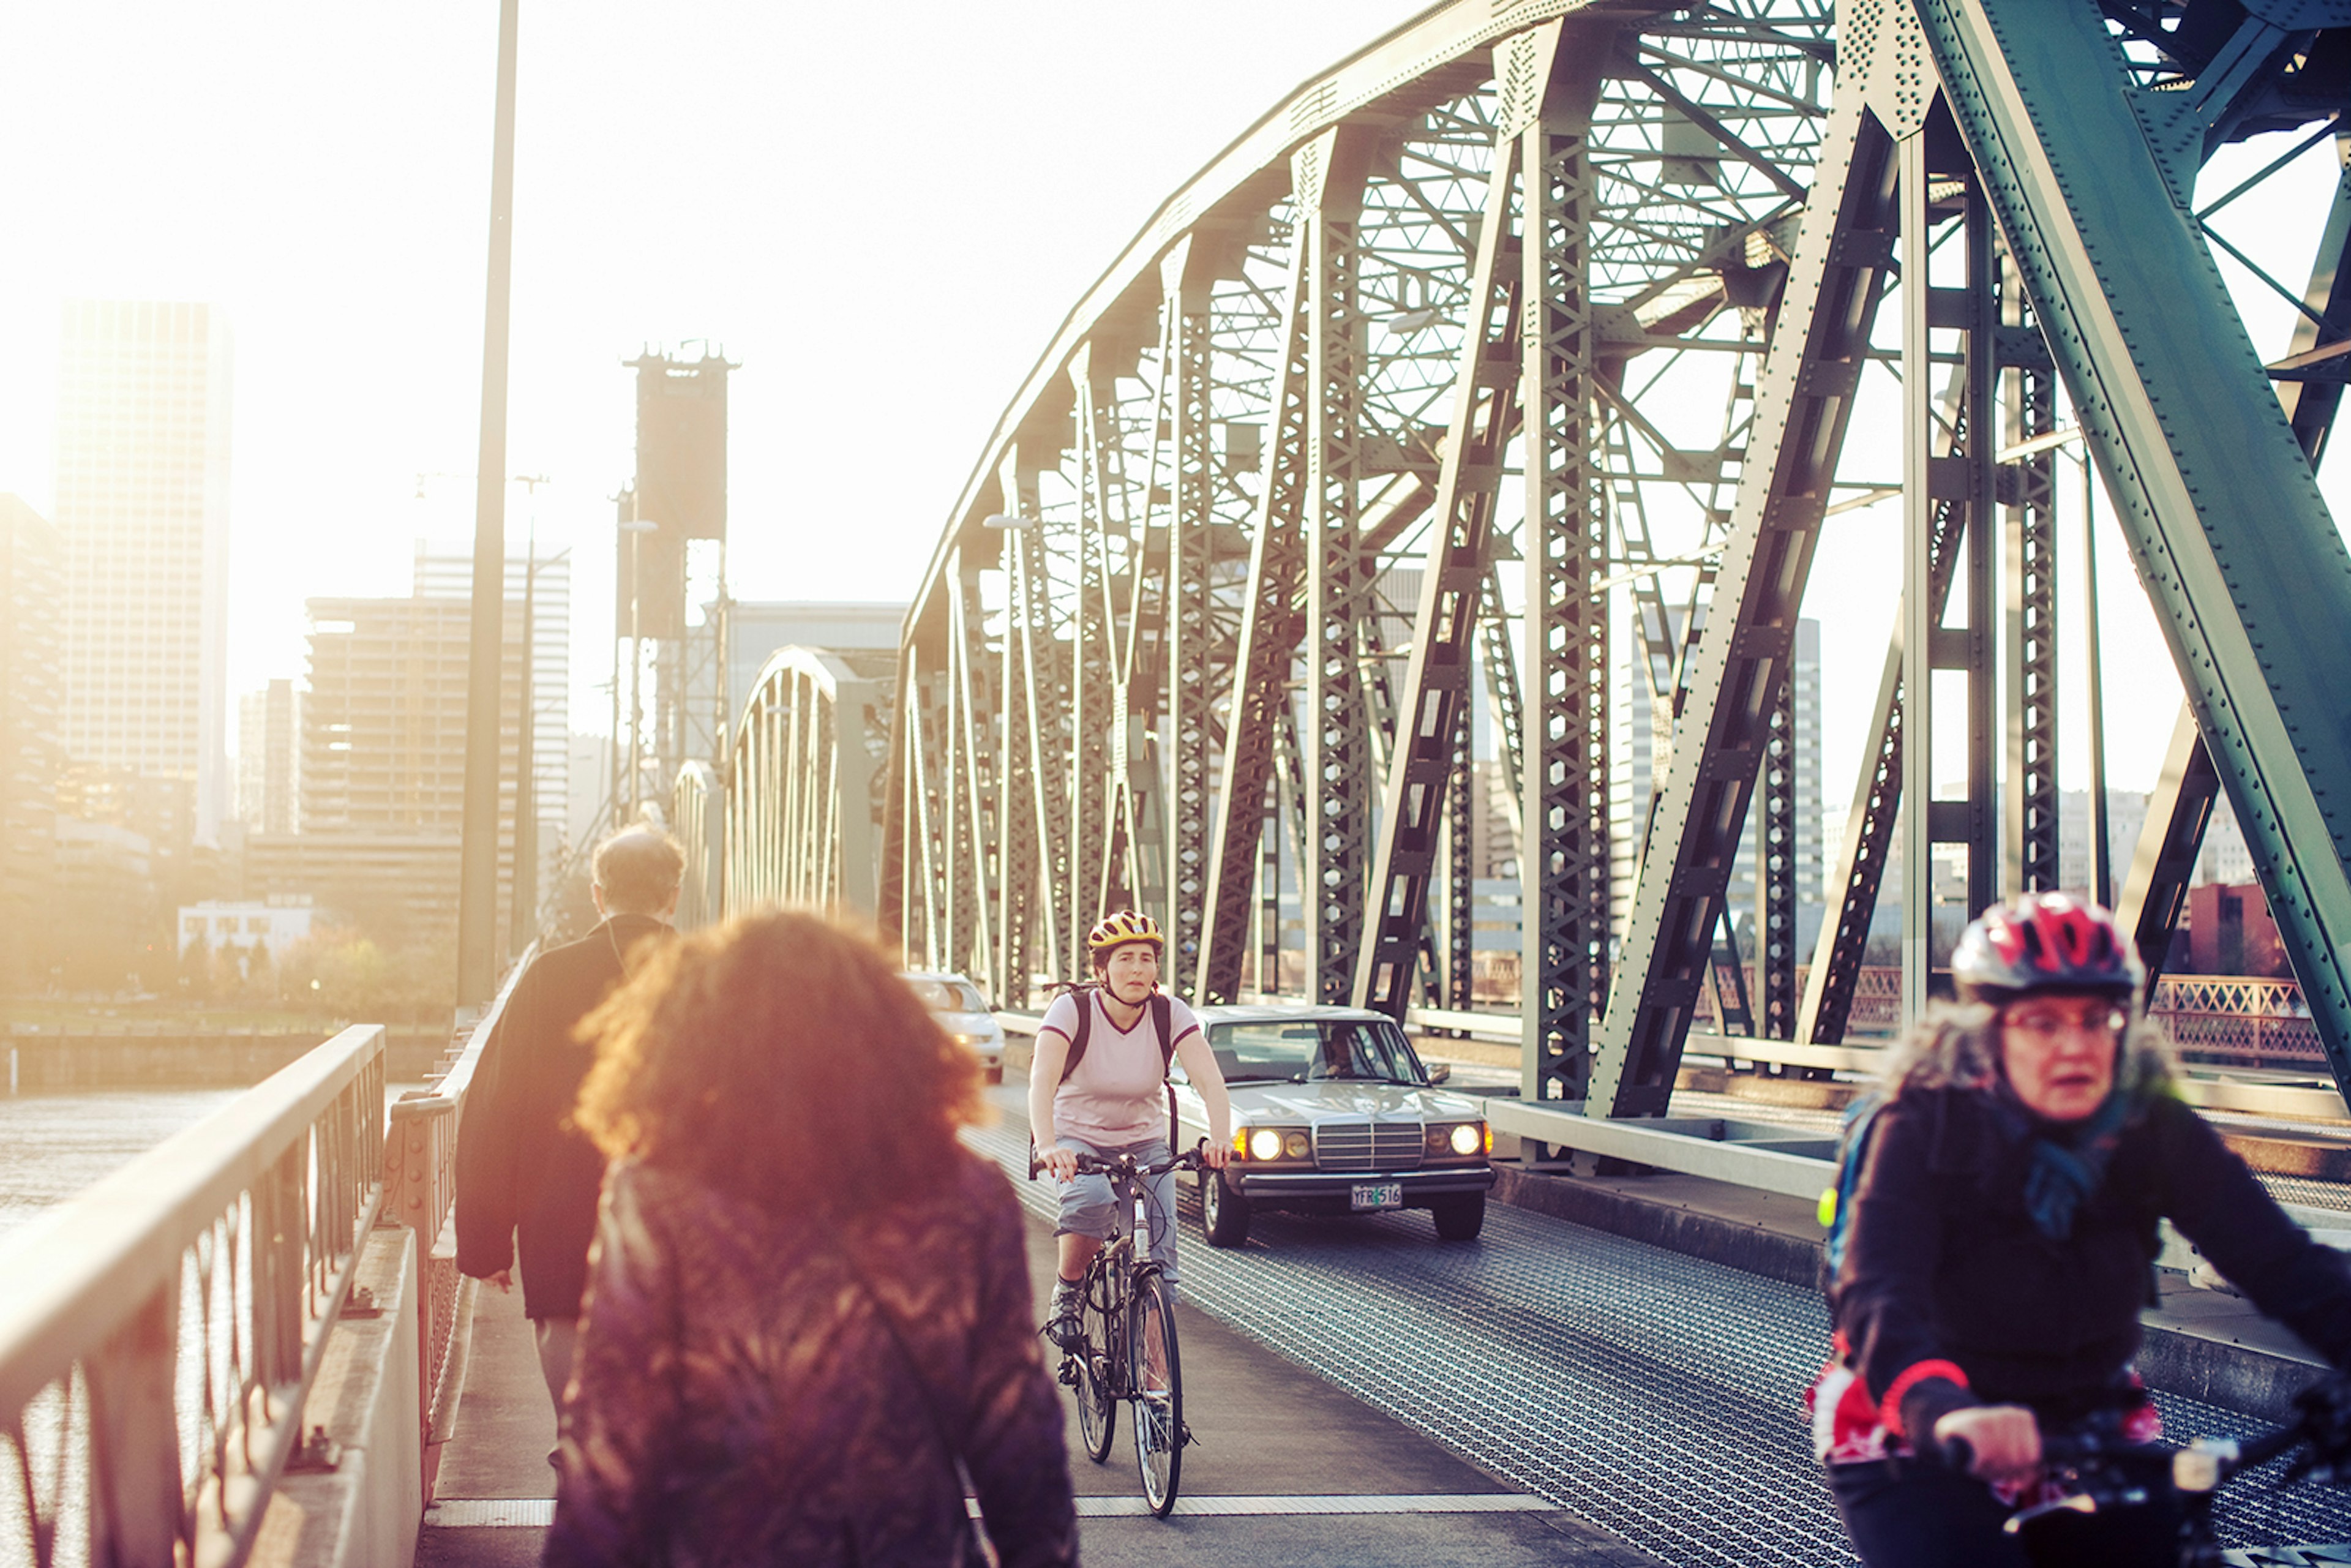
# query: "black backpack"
(1163, 1019)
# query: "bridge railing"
(159, 1333)
(420, 1171)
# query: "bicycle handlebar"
(1190, 1159)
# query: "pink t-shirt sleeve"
(1181, 1020)
(1062, 1018)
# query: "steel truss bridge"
(1525, 342)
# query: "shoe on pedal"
(1064, 1327)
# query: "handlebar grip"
(1957, 1454)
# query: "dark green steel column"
(2245, 567)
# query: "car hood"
(1339, 1100)
(968, 1023)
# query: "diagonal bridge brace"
(2244, 565)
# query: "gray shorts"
(1088, 1207)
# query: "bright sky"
(881, 211)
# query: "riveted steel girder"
(800, 809)
(1328, 195)
(1843, 254)
(1436, 685)
(1272, 625)
(1563, 790)
(2244, 565)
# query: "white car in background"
(965, 1014)
(1335, 1114)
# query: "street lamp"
(636, 529)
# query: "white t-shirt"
(1115, 1096)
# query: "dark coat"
(1944, 1265)
(521, 1165)
(745, 1392)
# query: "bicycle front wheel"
(1158, 1394)
(1097, 1405)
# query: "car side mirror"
(1439, 1071)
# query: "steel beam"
(975, 740)
(2247, 573)
(2180, 809)
(1485, 405)
(1270, 625)
(1328, 195)
(2028, 492)
(1564, 870)
(1844, 251)
(1190, 637)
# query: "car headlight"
(1458, 1140)
(1269, 1145)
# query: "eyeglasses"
(2048, 1026)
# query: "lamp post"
(636, 527)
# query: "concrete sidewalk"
(1285, 1469)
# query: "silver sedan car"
(964, 1013)
(1333, 1114)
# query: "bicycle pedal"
(1187, 1440)
(1068, 1374)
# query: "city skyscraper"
(142, 477)
(32, 583)
(1634, 746)
(445, 571)
(268, 758)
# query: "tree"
(196, 967)
(260, 974)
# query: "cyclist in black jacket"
(2004, 1236)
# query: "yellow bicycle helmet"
(1121, 928)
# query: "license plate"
(1378, 1195)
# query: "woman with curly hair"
(2003, 1239)
(808, 1314)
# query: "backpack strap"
(1836, 1203)
(1084, 997)
(1162, 1015)
(1163, 1018)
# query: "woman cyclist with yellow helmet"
(1098, 1087)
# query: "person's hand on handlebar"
(2003, 1441)
(1058, 1162)
(1214, 1155)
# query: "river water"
(53, 1143)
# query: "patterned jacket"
(739, 1396)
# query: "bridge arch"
(1490, 393)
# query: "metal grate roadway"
(1652, 1392)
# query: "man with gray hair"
(523, 1170)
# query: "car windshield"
(949, 996)
(1310, 1051)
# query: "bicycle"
(2142, 1503)
(1129, 1351)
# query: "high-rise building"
(382, 770)
(1635, 743)
(142, 503)
(32, 651)
(445, 571)
(268, 759)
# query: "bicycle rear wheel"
(1158, 1373)
(1097, 1405)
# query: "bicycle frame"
(1112, 1277)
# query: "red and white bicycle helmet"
(2043, 942)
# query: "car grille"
(1367, 1145)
